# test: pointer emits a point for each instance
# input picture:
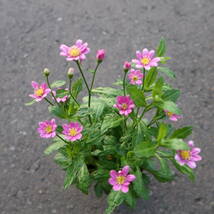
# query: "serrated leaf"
(182, 132)
(171, 95)
(139, 185)
(136, 95)
(162, 132)
(175, 144)
(115, 198)
(110, 122)
(54, 147)
(30, 103)
(161, 49)
(145, 150)
(171, 107)
(58, 83)
(58, 111)
(108, 91)
(150, 78)
(166, 71)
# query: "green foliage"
(142, 140)
(137, 95)
(58, 83)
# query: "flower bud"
(126, 66)
(46, 72)
(100, 55)
(70, 73)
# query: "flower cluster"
(116, 137)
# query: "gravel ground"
(30, 34)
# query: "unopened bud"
(70, 73)
(100, 55)
(46, 72)
(126, 66)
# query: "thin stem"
(144, 75)
(47, 79)
(49, 101)
(89, 92)
(124, 83)
(71, 93)
(93, 78)
(80, 69)
(61, 138)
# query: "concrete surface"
(30, 34)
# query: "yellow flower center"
(74, 51)
(48, 129)
(124, 106)
(169, 114)
(121, 179)
(39, 92)
(135, 78)
(145, 61)
(72, 132)
(185, 154)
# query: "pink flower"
(126, 65)
(172, 116)
(100, 55)
(47, 129)
(188, 157)
(124, 105)
(120, 180)
(75, 52)
(135, 77)
(72, 131)
(40, 91)
(146, 59)
(61, 99)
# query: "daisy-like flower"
(72, 131)
(189, 157)
(61, 99)
(47, 129)
(40, 91)
(120, 180)
(146, 59)
(135, 77)
(124, 105)
(172, 116)
(75, 52)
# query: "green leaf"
(62, 161)
(110, 122)
(91, 71)
(166, 71)
(161, 49)
(58, 83)
(57, 111)
(83, 179)
(171, 95)
(137, 95)
(175, 144)
(108, 91)
(182, 132)
(162, 132)
(115, 198)
(171, 107)
(54, 147)
(98, 189)
(150, 78)
(145, 150)
(76, 87)
(157, 89)
(130, 198)
(139, 185)
(61, 93)
(30, 103)
(185, 170)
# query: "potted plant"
(116, 137)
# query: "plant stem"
(47, 79)
(124, 83)
(93, 78)
(49, 101)
(71, 93)
(61, 138)
(144, 75)
(86, 84)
